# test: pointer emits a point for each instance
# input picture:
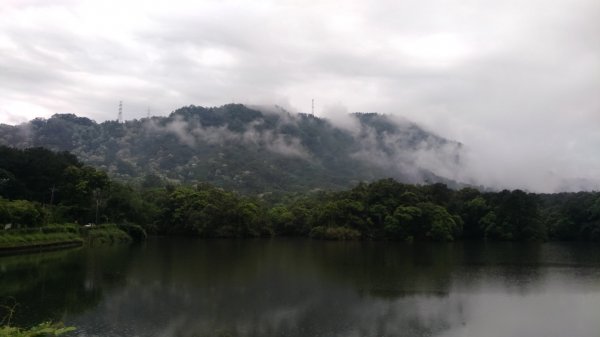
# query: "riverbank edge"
(106, 234)
(40, 247)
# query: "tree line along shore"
(49, 198)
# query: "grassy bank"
(48, 236)
(40, 330)
(67, 235)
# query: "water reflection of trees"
(303, 288)
(50, 285)
(188, 287)
(394, 270)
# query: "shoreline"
(39, 247)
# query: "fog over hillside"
(197, 144)
(256, 149)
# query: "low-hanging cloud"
(408, 151)
(192, 134)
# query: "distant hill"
(248, 149)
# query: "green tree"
(438, 224)
(282, 220)
(403, 223)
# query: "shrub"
(334, 233)
(105, 234)
(136, 232)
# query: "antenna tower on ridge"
(120, 118)
(313, 107)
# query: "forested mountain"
(247, 149)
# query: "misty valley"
(253, 221)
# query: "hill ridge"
(249, 149)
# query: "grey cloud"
(515, 81)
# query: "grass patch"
(38, 236)
(58, 234)
(40, 330)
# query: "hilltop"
(248, 149)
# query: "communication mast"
(120, 118)
(313, 107)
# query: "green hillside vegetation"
(40, 189)
(385, 210)
(38, 186)
(245, 149)
(382, 210)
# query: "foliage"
(211, 212)
(105, 234)
(136, 232)
(21, 213)
(382, 210)
(233, 146)
(334, 233)
(41, 185)
(387, 209)
(401, 223)
(46, 329)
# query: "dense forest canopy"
(38, 186)
(250, 150)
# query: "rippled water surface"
(190, 287)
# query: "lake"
(283, 287)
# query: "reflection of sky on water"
(307, 291)
(148, 311)
(552, 313)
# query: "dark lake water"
(188, 287)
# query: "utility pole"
(52, 190)
(120, 117)
(51, 211)
(97, 204)
(97, 197)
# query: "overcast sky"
(516, 81)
